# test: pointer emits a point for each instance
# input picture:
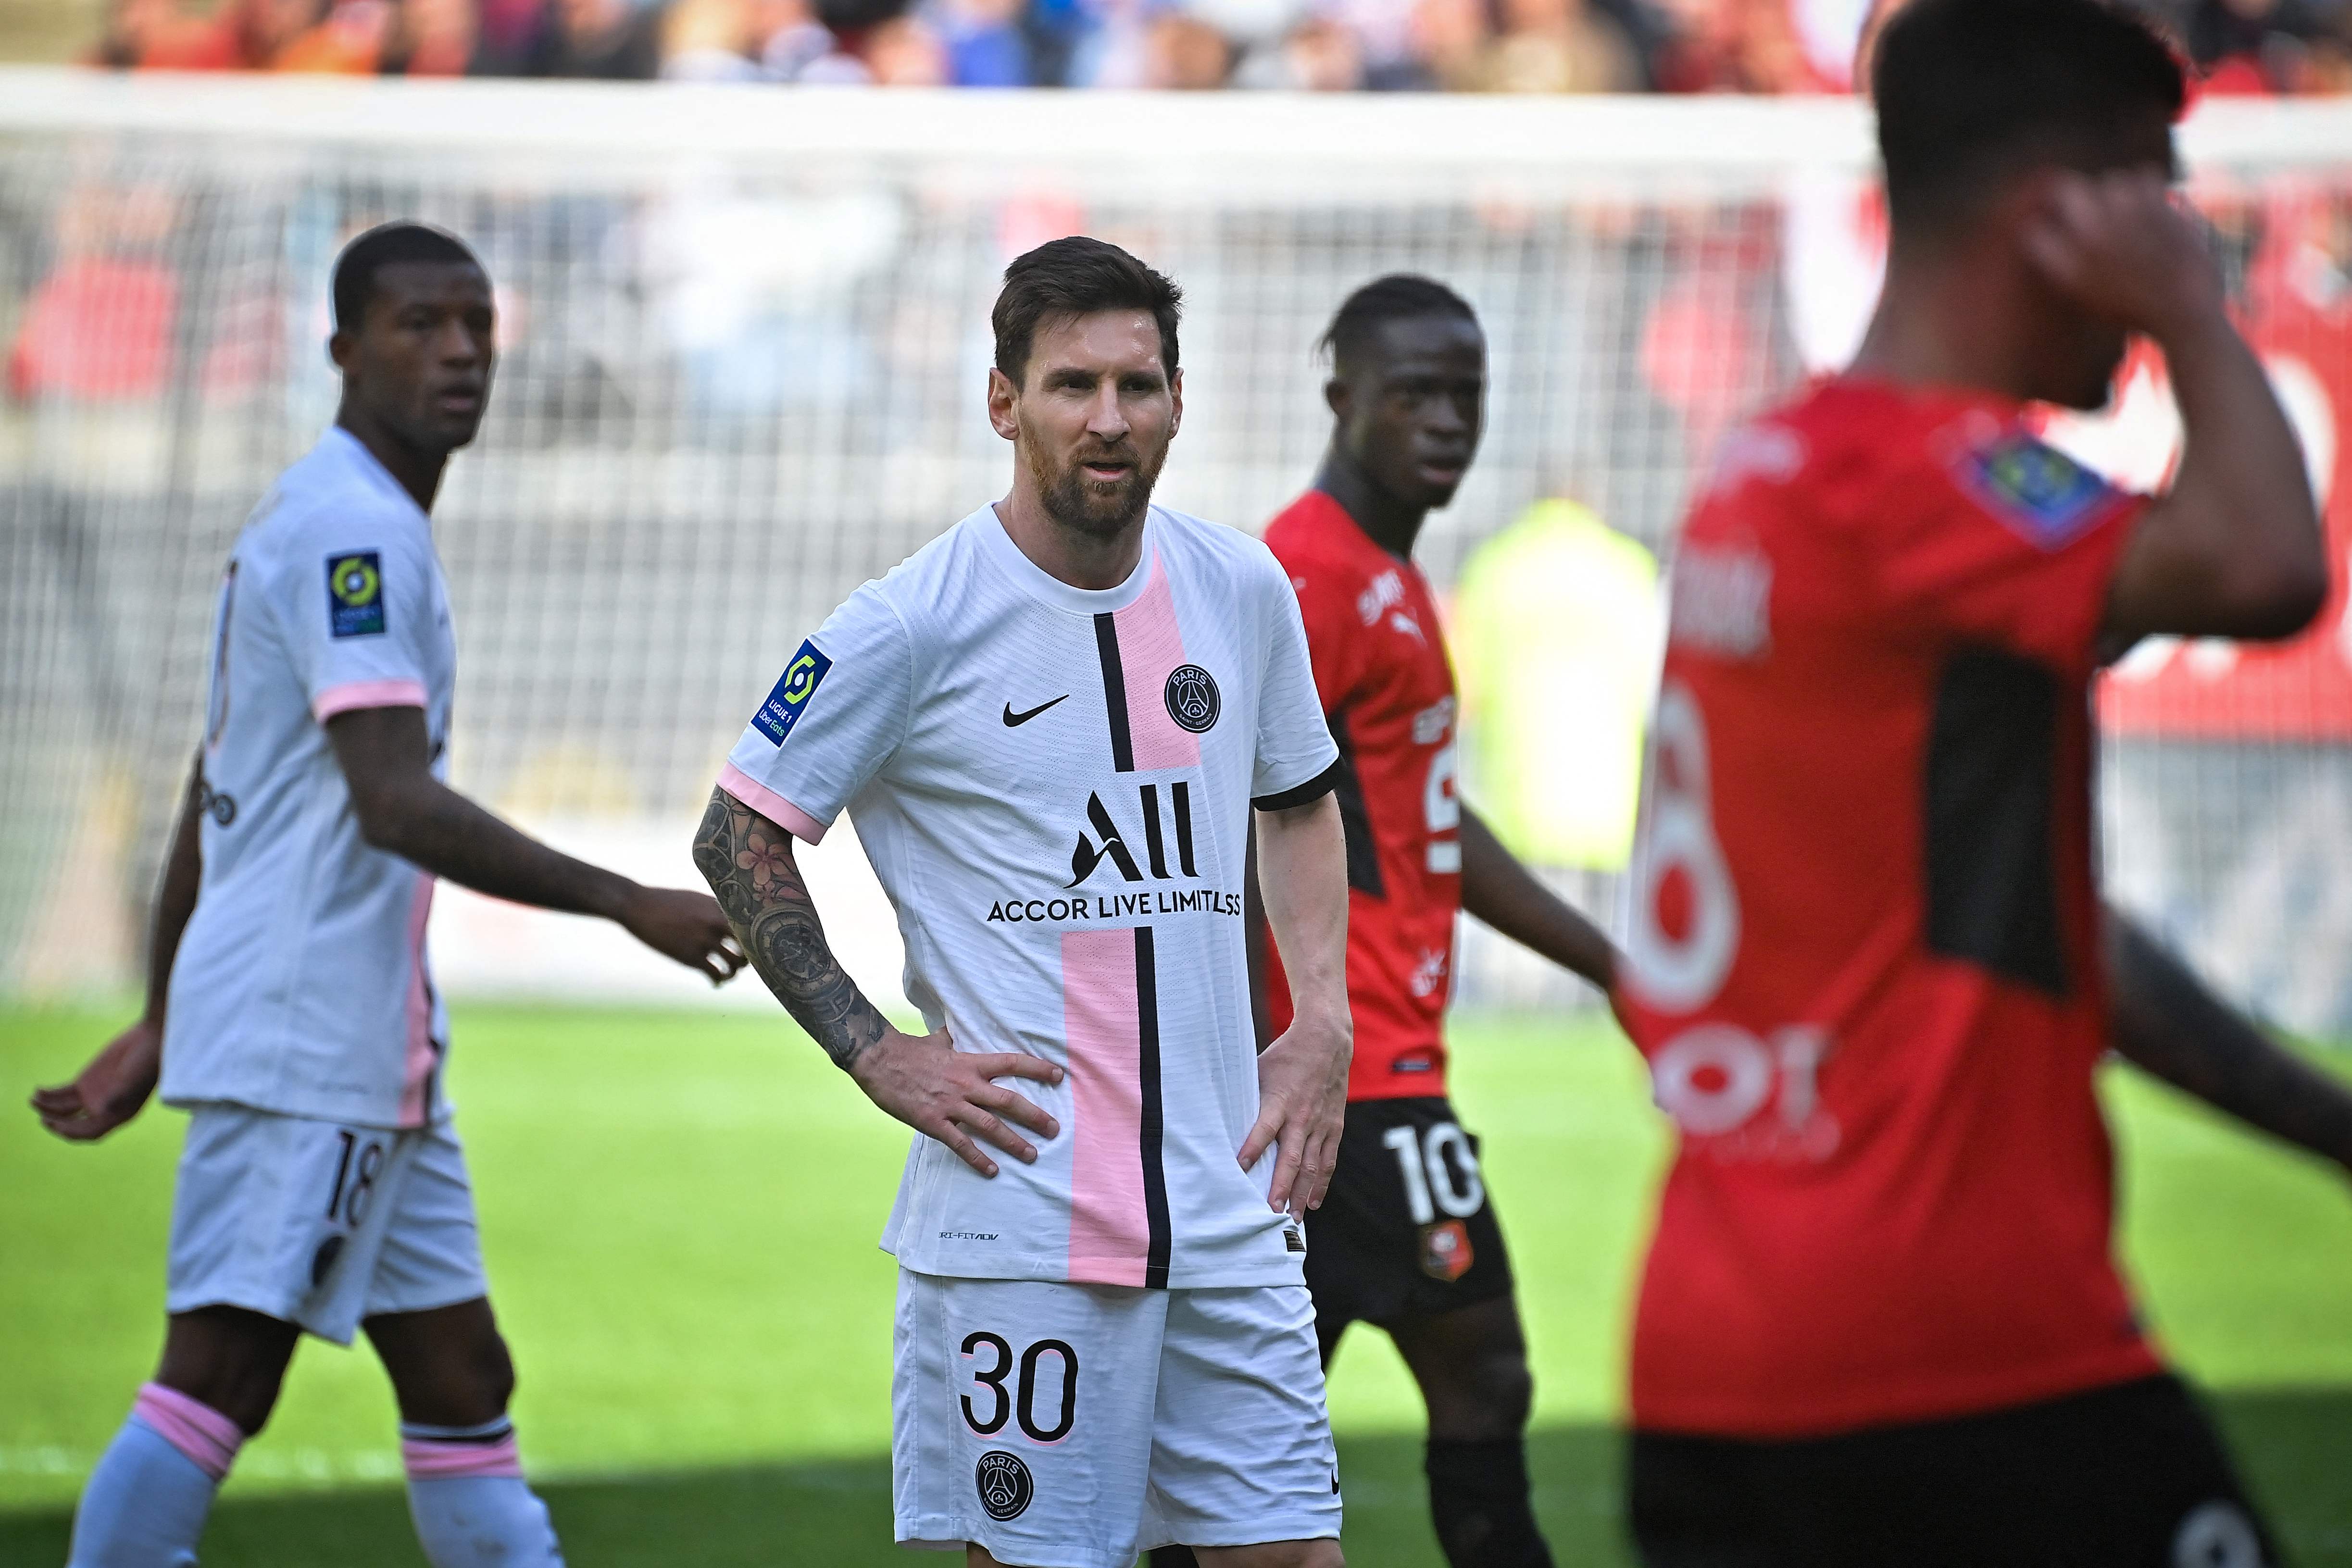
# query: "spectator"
(432, 39)
(904, 52)
(707, 40)
(984, 42)
(1320, 55)
(2265, 46)
(1557, 45)
(607, 40)
(1186, 54)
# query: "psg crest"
(1192, 699)
(1004, 1485)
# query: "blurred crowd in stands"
(1490, 45)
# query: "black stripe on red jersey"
(1355, 817)
(1155, 1176)
(1114, 674)
(1992, 785)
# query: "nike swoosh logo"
(1016, 720)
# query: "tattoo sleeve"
(2165, 1022)
(748, 861)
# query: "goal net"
(744, 344)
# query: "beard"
(1088, 505)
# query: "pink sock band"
(431, 1461)
(209, 1439)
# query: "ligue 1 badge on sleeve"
(1192, 699)
(356, 593)
(792, 690)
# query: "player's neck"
(1388, 522)
(1947, 320)
(417, 471)
(1067, 554)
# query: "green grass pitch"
(680, 1214)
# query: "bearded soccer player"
(1053, 725)
(289, 1006)
(1881, 1320)
(1407, 1238)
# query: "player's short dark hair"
(1078, 277)
(387, 244)
(1970, 91)
(1399, 296)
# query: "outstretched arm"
(1302, 861)
(936, 1090)
(1498, 890)
(2165, 1022)
(115, 1085)
(404, 810)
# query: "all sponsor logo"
(790, 698)
(1192, 699)
(356, 593)
(1005, 1486)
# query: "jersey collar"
(1041, 584)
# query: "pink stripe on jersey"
(423, 1055)
(1150, 647)
(428, 1461)
(209, 1439)
(367, 693)
(770, 805)
(1109, 1235)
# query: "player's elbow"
(387, 819)
(2280, 597)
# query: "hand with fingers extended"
(1302, 1092)
(954, 1096)
(687, 926)
(111, 1090)
(2122, 246)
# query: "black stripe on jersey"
(1114, 674)
(1155, 1175)
(1152, 842)
(1355, 819)
(1180, 794)
(1990, 799)
(1313, 790)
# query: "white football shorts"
(1065, 1426)
(320, 1224)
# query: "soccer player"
(1053, 725)
(1881, 1320)
(1407, 1238)
(290, 1006)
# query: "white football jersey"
(300, 986)
(1054, 785)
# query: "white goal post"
(745, 337)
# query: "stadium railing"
(744, 345)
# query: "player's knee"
(1506, 1387)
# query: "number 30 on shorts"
(1019, 1402)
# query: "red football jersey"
(1388, 692)
(1864, 958)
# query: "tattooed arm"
(946, 1093)
(2168, 1023)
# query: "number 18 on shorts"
(1072, 1426)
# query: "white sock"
(471, 1505)
(144, 1505)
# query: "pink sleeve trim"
(353, 694)
(770, 805)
